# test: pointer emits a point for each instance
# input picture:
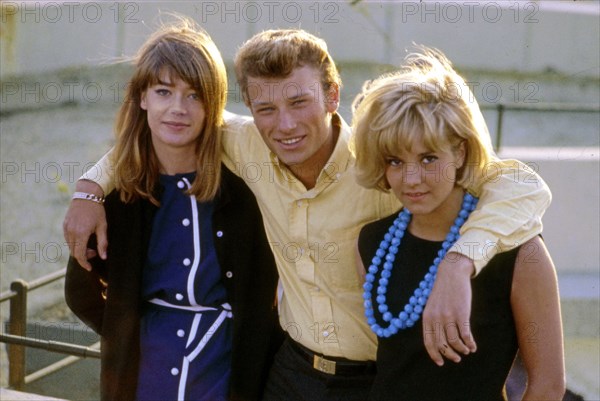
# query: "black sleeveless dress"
(404, 369)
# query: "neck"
(176, 161)
(309, 171)
(435, 226)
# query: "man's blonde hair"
(276, 53)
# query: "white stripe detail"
(196, 262)
(208, 335)
(225, 313)
(183, 379)
(197, 308)
(194, 329)
(279, 296)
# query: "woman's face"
(176, 114)
(423, 179)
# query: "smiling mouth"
(175, 124)
(415, 195)
(291, 141)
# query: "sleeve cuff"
(478, 245)
(102, 174)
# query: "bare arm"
(536, 309)
(512, 201)
(84, 217)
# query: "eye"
(265, 109)
(162, 92)
(429, 159)
(299, 102)
(195, 96)
(393, 161)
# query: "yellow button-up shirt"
(313, 233)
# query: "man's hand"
(83, 219)
(446, 328)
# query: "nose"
(178, 105)
(413, 174)
(287, 122)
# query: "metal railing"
(17, 340)
(501, 108)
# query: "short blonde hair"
(181, 50)
(276, 53)
(424, 100)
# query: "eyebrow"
(290, 98)
(298, 96)
(161, 82)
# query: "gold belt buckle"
(324, 365)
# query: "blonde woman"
(420, 134)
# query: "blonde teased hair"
(184, 51)
(424, 100)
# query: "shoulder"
(235, 199)
(533, 260)
(372, 233)
(232, 185)
(378, 226)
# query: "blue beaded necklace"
(388, 248)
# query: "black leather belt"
(333, 365)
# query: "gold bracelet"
(90, 197)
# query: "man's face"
(293, 115)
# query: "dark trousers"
(293, 378)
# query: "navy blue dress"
(186, 325)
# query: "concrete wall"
(526, 36)
(571, 222)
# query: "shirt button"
(187, 262)
(299, 203)
(178, 297)
(338, 175)
(325, 333)
(180, 184)
(229, 274)
(185, 222)
(219, 233)
(174, 371)
(180, 333)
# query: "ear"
(461, 154)
(143, 104)
(332, 98)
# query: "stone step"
(12, 395)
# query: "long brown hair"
(183, 51)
